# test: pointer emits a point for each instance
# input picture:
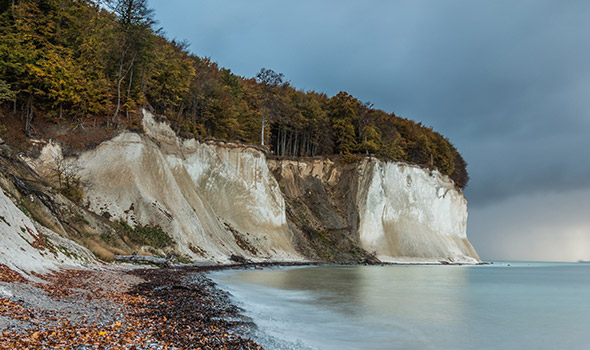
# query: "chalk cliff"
(398, 212)
(217, 199)
(27, 246)
(410, 214)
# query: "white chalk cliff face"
(214, 200)
(409, 215)
(26, 246)
(219, 199)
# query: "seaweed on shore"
(187, 310)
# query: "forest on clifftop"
(88, 62)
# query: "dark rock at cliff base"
(143, 259)
(239, 259)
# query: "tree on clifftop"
(270, 81)
(132, 12)
(343, 110)
(135, 19)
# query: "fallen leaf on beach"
(141, 316)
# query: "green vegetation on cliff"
(66, 61)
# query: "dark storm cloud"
(506, 81)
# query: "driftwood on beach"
(142, 259)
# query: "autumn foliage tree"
(270, 82)
(68, 61)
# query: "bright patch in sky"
(546, 226)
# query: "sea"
(503, 305)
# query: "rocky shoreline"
(117, 307)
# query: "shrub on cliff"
(73, 191)
(149, 235)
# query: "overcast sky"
(507, 81)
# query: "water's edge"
(414, 306)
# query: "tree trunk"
(143, 85)
(262, 131)
(119, 81)
(277, 151)
(265, 111)
(180, 111)
(29, 116)
(129, 93)
(288, 145)
(285, 144)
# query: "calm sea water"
(521, 306)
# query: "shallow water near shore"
(499, 306)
